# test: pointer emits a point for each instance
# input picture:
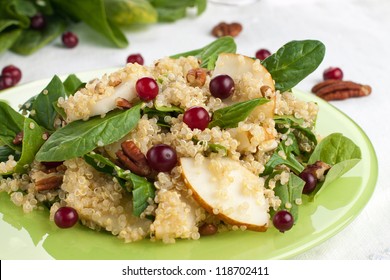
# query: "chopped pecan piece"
(49, 183)
(227, 29)
(133, 159)
(18, 140)
(122, 103)
(196, 77)
(339, 90)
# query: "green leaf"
(338, 151)
(81, 137)
(289, 194)
(169, 11)
(293, 62)
(11, 124)
(32, 40)
(140, 187)
(32, 141)
(217, 148)
(72, 83)
(209, 54)
(92, 12)
(8, 38)
(24, 7)
(45, 113)
(230, 116)
(127, 12)
(6, 151)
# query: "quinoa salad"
(195, 144)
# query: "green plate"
(33, 236)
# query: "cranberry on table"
(162, 157)
(69, 39)
(333, 73)
(283, 220)
(13, 72)
(6, 82)
(310, 181)
(135, 58)
(66, 217)
(38, 22)
(196, 117)
(147, 88)
(262, 54)
(221, 86)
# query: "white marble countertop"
(356, 35)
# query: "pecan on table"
(340, 90)
(226, 29)
(131, 158)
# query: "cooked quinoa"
(103, 204)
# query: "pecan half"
(49, 183)
(196, 77)
(226, 29)
(133, 159)
(339, 90)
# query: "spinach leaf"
(32, 141)
(160, 112)
(209, 54)
(72, 83)
(338, 151)
(10, 125)
(45, 113)
(6, 151)
(127, 12)
(93, 13)
(169, 11)
(32, 40)
(81, 137)
(293, 62)
(8, 38)
(230, 116)
(140, 187)
(289, 194)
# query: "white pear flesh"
(227, 189)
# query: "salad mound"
(198, 143)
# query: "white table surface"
(357, 37)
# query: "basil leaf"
(140, 187)
(72, 84)
(93, 13)
(127, 12)
(32, 40)
(45, 113)
(338, 151)
(289, 194)
(209, 54)
(81, 137)
(230, 116)
(32, 141)
(293, 62)
(11, 124)
(6, 151)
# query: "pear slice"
(228, 190)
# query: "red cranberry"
(6, 82)
(221, 86)
(283, 220)
(196, 117)
(12, 71)
(333, 73)
(147, 88)
(69, 39)
(38, 22)
(66, 217)
(162, 157)
(262, 54)
(135, 58)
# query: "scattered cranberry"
(66, 217)
(333, 73)
(310, 181)
(135, 58)
(69, 39)
(6, 82)
(283, 220)
(262, 54)
(147, 88)
(38, 22)
(222, 86)
(196, 117)
(13, 72)
(162, 157)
